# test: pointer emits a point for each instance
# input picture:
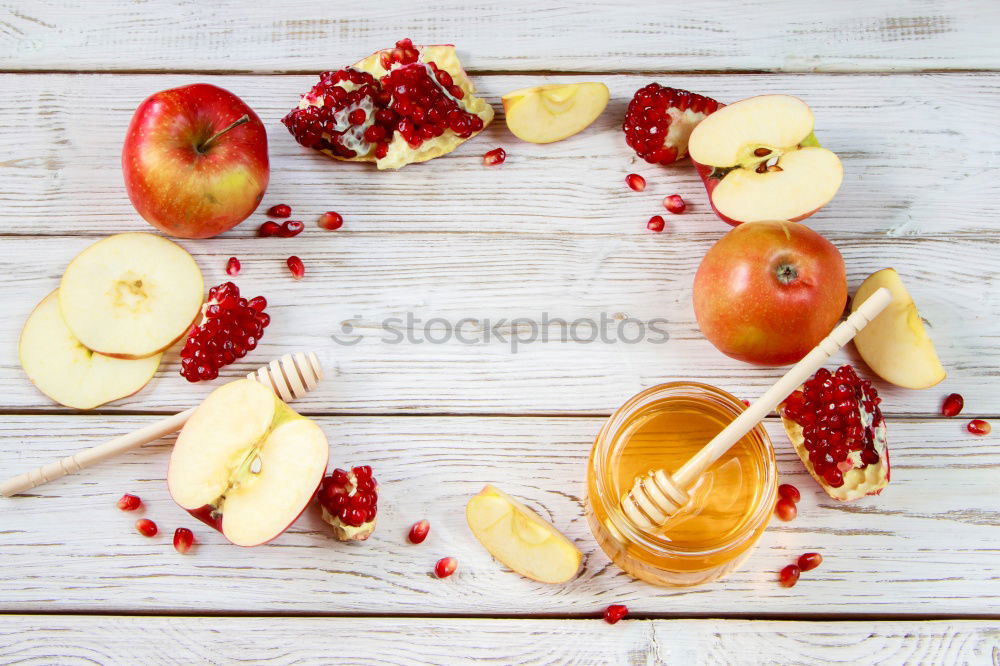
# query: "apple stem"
(204, 147)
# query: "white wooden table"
(905, 92)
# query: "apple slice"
(68, 372)
(553, 112)
(760, 160)
(895, 345)
(246, 463)
(131, 295)
(520, 539)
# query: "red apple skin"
(704, 172)
(179, 184)
(768, 292)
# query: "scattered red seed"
(231, 327)
(129, 502)
(810, 561)
(655, 223)
(674, 204)
(786, 510)
(952, 405)
(233, 266)
(146, 527)
(291, 228)
(445, 567)
(789, 492)
(745, 402)
(979, 427)
(789, 576)
(183, 538)
(269, 228)
(636, 182)
(330, 221)
(279, 210)
(615, 612)
(296, 266)
(495, 157)
(419, 530)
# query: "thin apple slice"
(68, 372)
(895, 344)
(549, 113)
(520, 539)
(131, 295)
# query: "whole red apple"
(768, 292)
(195, 160)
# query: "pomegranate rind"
(344, 532)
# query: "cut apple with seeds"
(759, 160)
(246, 463)
(520, 539)
(69, 373)
(895, 344)
(131, 295)
(549, 113)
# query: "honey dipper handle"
(796, 375)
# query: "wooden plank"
(920, 156)
(926, 546)
(129, 640)
(519, 35)
(364, 280)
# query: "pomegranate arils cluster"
(349, 502)
(659, 121)
(230, 327)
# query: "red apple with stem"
(768, 292)
(195, 160)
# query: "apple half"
(553, 112)
(895, 344)
(759, 160)
(520, 539)
(246, 463)
(69, 373)
(131, 295)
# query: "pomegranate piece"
(269, 228)
(656, 223)
(615, 612)
(810, 561)
(291, 228)
(952, 405)
(296, 266)
(233, 266)
(659, 121)
(183, 540)
(635, 182)
(146, 527)
(230, 327)
(674, 204)
(445, 567)
(979, 427)
(418, 531)
(789, 492)
(279, 210)
(838, 430)
(330, 221)
(785, 509)
(349, 502)
(495, 157)
(129, 502)
(789, 576)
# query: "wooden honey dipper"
(290, 377)
(658, 495)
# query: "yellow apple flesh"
(895, 345)
(549, 113)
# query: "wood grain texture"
(926, 546)
(521, 35)
(30, 639)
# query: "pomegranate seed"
(183, 538)
(231, 327)
(233, 266)
(786, 509)
(615, 612)
(269, 228)
(279, 210)
(979, 427)
(789, 492)
(296, 266)
(419, 530)
(789, 576)
(495, 157)
(291, 228)
(952, 405)
(445, 567)
(651, 114)
(636, 182)
(146, 527)
(674, 204)
(655, 223)
(129, 502)
(810, 561)
(330, 221)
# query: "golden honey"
(661, 428)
